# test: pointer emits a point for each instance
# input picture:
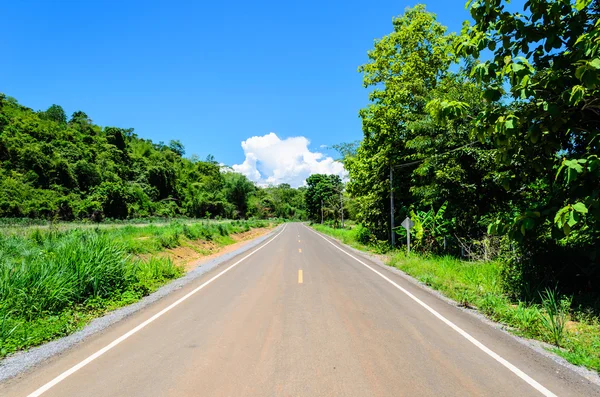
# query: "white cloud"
(271, 160)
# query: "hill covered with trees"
(66, 168)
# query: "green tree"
(237, 189)
(538, 122)
(545, 125)
(50, 168)
(177, 147)
(404, 67)
(56, 114)
(321, 188)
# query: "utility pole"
(392, 205)
(321, 211)
(342, 208)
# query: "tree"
(237, 189)
(546, 125)
(177, 147)
(541, 115)
(320, 188)
(56, 114)
(405, 66)
(49, 168)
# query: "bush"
(363, 235)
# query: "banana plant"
(430, 227)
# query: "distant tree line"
(55, 167)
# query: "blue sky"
(211, 74)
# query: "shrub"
(363, 235)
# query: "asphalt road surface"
(300, 315)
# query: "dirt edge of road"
(194, 253)
(537, 346)
(23, 361)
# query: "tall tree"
(320, 189)
(404, 67)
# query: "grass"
(574, 335)
(53, 282)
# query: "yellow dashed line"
(300, 276)
(300, 250)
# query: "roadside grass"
(347, 236)
(54, 282)
(573, 335)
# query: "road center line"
(300, 250)
(300, 276)
(455, 327)
(114, 343)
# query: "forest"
(63, 168)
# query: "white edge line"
(532, 382)
(120, 339)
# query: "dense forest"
(488, 140)
(60, 168)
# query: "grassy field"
(55, 280)
(574, 335)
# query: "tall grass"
(556, 314)
(44, 276)
(52, 282)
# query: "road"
(300, 315)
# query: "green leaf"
(577, 94)
(560, 215)
(492, 94)
(528, 223)
(517, 67)
(572, 221)
(580, 207)
(581, 4)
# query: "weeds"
(555, 315)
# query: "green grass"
(52, 282)
(479, 285)
(347, 236)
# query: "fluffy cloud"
(271, 160)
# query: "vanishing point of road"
(300, 315)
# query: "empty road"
(300, 315)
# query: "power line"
(435, 155)
(392, 226)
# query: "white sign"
(408, 224)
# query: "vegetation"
(491, 138)
(488, 139)
(52, 282)
(59, 169)
(76, 201)
(323, 197)
(478, 284)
